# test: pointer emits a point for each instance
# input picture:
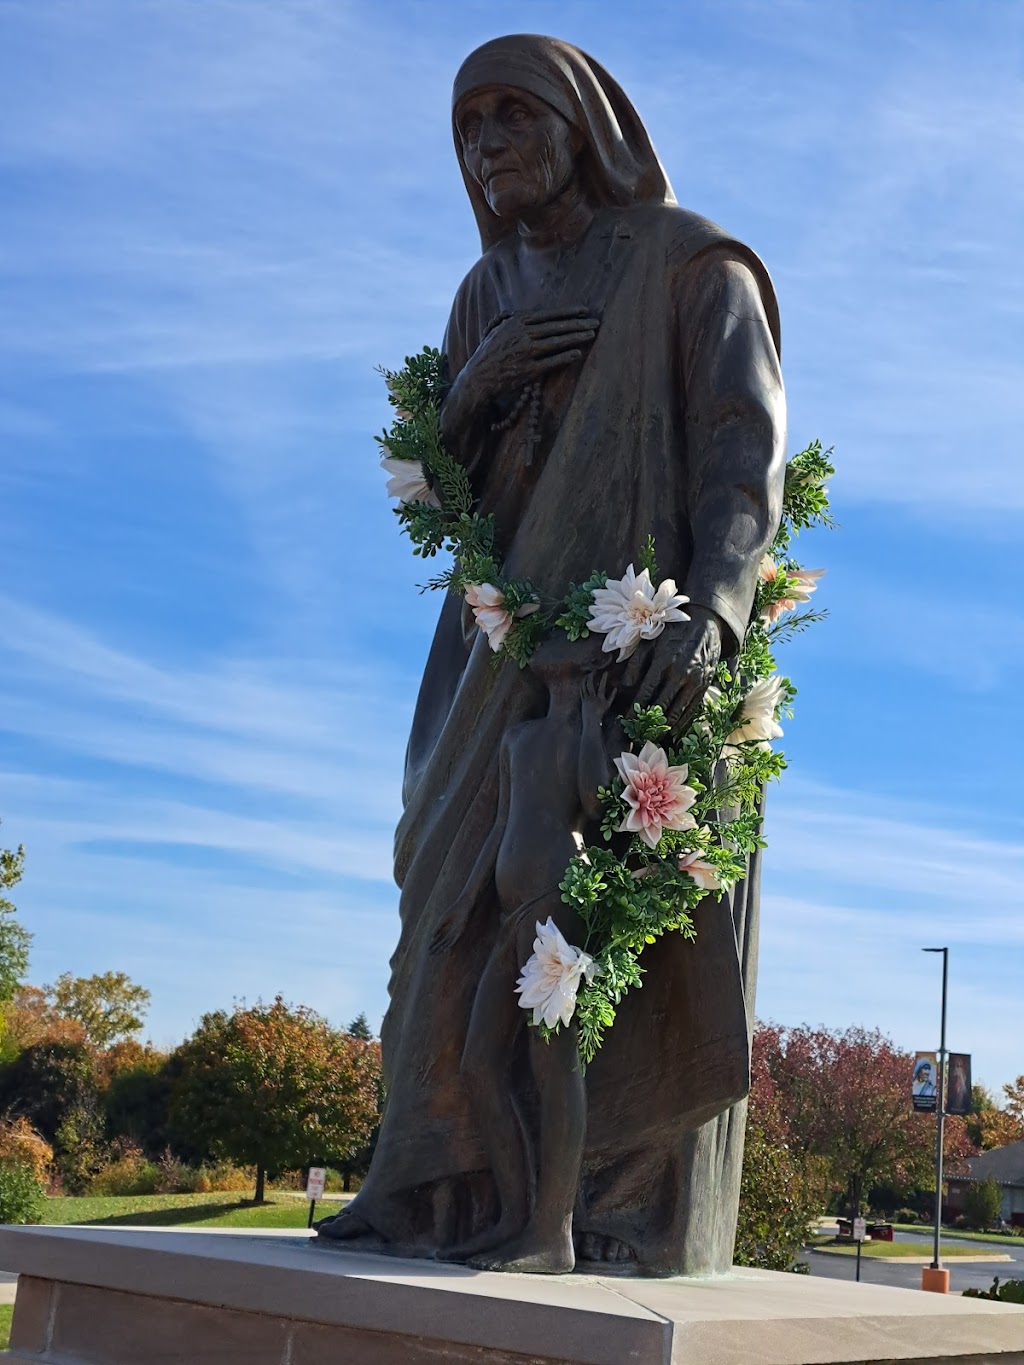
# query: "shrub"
(905, 1216)
(21, 1194)
(226, 1176)
(1010, 1292)
(20, 1142)
(128, 1172)
(982, 1201)
(79, 1152)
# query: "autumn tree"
(846, 1098)
(275, 1087)
(29, 1019)
(15, 939)
(781, 1188)
(1014, 1105)
(990, 1126)
(109, 1005)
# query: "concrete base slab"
(90, 1296)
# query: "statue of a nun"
(614, 368)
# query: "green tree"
(15, 939)
(275, 1087)
(109, 1005)
(360, 1028)
(983, 1200)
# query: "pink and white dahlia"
(551, 978)
(656, 794)
(802, 582)
(408, 482)
(491, 614)
(705, 874)
(630, 609)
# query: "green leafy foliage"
(22, 1197)
(983, 1200)
(15, 939)
(575, 616)
(1010, 1291)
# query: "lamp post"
(935, 1278)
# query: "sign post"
(315, 1182)
(860, 1231)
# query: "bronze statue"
(614, 368)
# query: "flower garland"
(682, 817)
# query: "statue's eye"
(518, 115)
(471, 130)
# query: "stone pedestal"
(89, 1296)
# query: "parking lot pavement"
(976, 1275)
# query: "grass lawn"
(888, 1250)
(1004, 1238)
(6, 1313)
(224, 1210)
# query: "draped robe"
(671, 425)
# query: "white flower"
(801, 583)
(408, 483)
(551, 977)
(705, 874)
(629, 609)
(656, 794)
(493, 618)
(757, 715)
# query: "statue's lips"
(495, 176)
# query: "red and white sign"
(860, 1229)
(315, 1182)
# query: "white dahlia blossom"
(630, 609)
(551, 977)
(408, 482)
(491, 614)
(757, 714)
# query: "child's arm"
(450, 930)
(595, 767)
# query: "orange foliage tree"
(846, 1101)
(276, 1087)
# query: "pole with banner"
(315, 1182)
(934, 1277)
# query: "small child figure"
(550, 770)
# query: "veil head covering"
(620, 164)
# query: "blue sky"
(216, 219)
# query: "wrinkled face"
(519, 150)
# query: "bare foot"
(596, 1248)
(343, 1226)
(531, 1254)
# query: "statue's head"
(532, 115)
(520, 151)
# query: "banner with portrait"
(924, 1089)
(958, 1083)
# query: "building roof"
(1005, 1164)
